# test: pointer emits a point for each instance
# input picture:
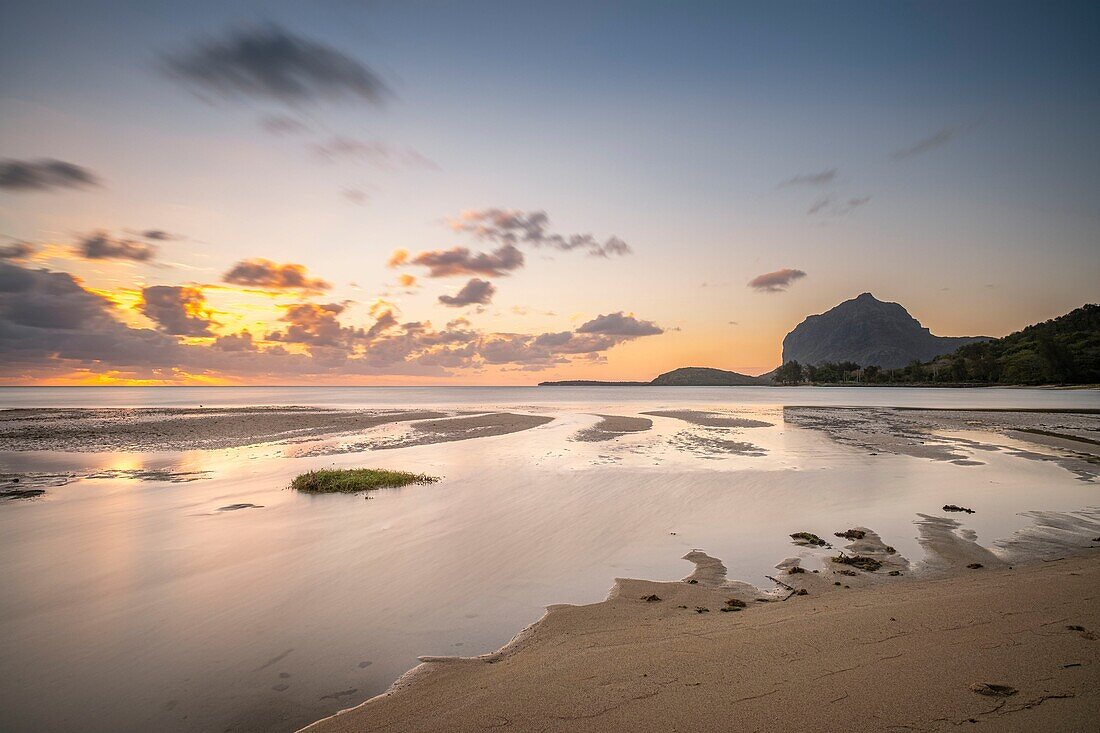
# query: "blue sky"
(670, 126)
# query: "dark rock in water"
(956, 508)
(802, 592)
(693, 581)
(21, 493)
(651, 598)
(867, 331)
(795, 569)
(894, 573)
(975, 566)
(736, 603)
(235, 507)
(851, 534)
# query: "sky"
(506, 192)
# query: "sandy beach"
(1007, 650)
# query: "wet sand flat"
(709, 419)
(912, 656)
(943, 434)
(612, 426)
(428, 432)
(167, 429)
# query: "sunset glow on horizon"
(493, 194)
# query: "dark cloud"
(43, 299)
(16, 250)
(158, 235)
(261, 273)
(234, 342)
(316, 325)
(270, 63)
(177, 310)
(43, 174)
(619, 324)
(475, 292)
(51, 326)
(509, 226)
(549, 349)
(461, 261)
(819, 205)
(776, 282)
(385, 320)
(940, 138)
(811, 179)
(103, 246)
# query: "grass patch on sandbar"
(354, 480)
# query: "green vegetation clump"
(354, 480)
(808, 538)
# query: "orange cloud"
(399, 257)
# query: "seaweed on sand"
(869, 564)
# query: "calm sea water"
(992, 397)
(133, 605)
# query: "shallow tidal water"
(132, 604)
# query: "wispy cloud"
(820, 178)
(512, 226)
(103, 246)
(936, 140)
(283, 125)
(829, 205)
(16, 250)
(271, 63)
(43, 174)
(378, 154)
(776, 282)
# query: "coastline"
(898, 651)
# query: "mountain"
(867, 331)
(704, 377)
